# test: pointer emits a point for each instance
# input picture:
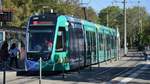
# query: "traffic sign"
(6, 16)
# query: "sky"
(97, 5)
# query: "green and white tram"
(67, 43)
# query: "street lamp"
(84, 3)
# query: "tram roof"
(86, 22)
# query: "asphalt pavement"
(130, 69)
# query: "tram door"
(88, 48)
(105, 47)
(91, 48)
(93, 42)
(76, 45)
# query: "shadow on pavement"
(99, 75)
(142, 77)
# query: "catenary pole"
(125, 29)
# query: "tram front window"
(40, 41)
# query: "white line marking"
(132, 76)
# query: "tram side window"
(61, 40)
(108, 44)
(88, 43)
(80, 39)
(93, 45)
(100, 41)
(93, 41)
(113, 42)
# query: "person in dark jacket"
(145, 54)
(4, 54)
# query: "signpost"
(6, 16)
(40, 70)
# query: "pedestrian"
(4, 54)
(145, 54)
(13, 51)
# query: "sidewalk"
(140, 76)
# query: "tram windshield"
(41, 40)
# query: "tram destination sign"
(43, 23)
(43, 20)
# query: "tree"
(134, 25)
(115, 18)
(113, 13)
(92, 15)
(146, 32)
(22, 11)
(137, 22)
(25, 8)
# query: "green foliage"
(92, 15)
(146, 32)
(138, 23)
(22, 10)
(25, 8)
(114, 15)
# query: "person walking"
(145, 54)
(13, 51)
(4, 54)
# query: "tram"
(66, 43)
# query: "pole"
(139, 31)
(4, 73)
(117, 44)
(63, 68)
(85, 15)
(125, 31)
(97, 50)
(40, 70)
(140, 27)
(84, 9)
(107, 19)
(1, 8)
(4, 67)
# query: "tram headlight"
(59, 60)
(62, 60)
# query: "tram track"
(110, 69)
(98, 74)
(36, 77)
